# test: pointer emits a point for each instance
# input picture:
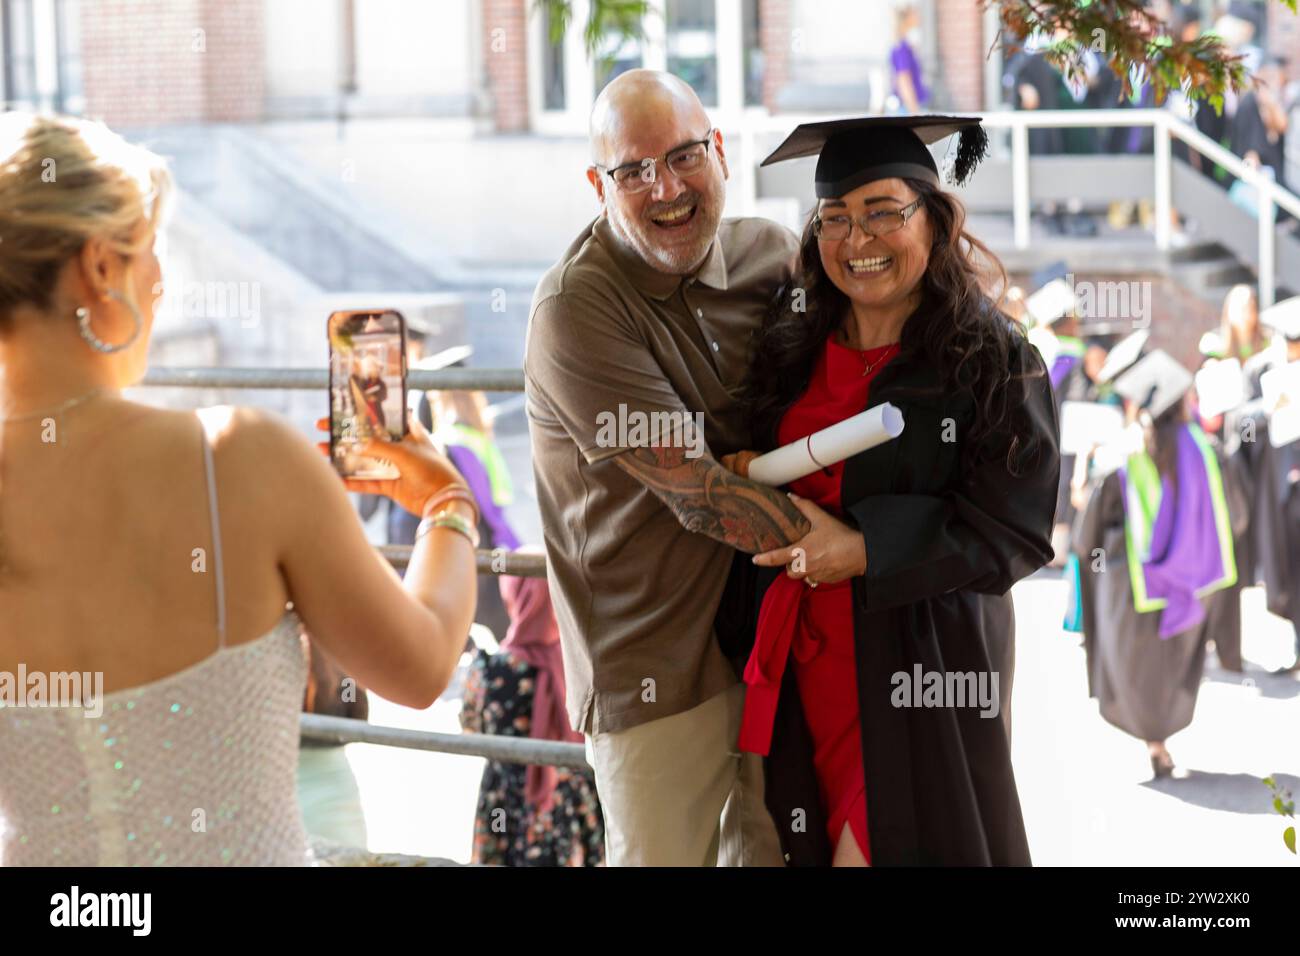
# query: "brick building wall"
(962, 49)
(774, 40)
(161, 62)
(234, 73)
(141, 64)
(505, 62)
(1179, 317)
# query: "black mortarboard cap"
(1054, 270)
(854, 152)
(1156, 383)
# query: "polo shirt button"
(699, 313)
(715, 346)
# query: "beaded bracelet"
(453, 492)
(448, 519)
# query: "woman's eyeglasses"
(683, 161)
(879, 223)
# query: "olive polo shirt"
(610, 339)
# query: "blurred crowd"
(1258, 124)
(1179, 487)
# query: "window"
(752, 40)
(19, 54)
(67, 25)
(692, 37)
(552, 67)
(616, 56)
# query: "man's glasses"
(683, 161)
(879, 223)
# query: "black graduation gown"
(1240, 468)
(1075, 387)
(1035, 71)
(942, 553)
(1276, 523)
(1146, 686)
(1224, 613)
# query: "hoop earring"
(98, 344)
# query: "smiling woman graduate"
(915, 542)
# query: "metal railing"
(526, 750)
(513, 564)
(340, 730)
(475, 379)
(497, 561)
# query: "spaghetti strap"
(215, 518)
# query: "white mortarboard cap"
(1051, 301)
(1126, 351)
(1156, 383)
(1284, 316)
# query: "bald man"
(638, 345)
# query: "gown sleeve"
(986, 532)
(1103, 511)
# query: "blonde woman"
(159, 551)
(1240, 335)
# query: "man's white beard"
(673, 262)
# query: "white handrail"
(1164, 125)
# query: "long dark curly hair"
(958, 329)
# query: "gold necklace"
(5, 567)
(869, 366)
(61, 407)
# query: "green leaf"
(623, 18)
(1268, 782)
(1277, 805)
(1288, 837)
(561, 13)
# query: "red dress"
(815, 625)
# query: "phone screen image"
(367, 388)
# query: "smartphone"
(367, 388)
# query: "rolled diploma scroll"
(842, 440)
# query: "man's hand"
(830, 552)
(739, 462)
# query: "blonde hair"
(1240, 299)
(64, 181)
(902, 13)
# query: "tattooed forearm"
(708, 499)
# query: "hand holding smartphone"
(367, 389)
(374, 445)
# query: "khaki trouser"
(677, 792)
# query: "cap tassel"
(972, 147)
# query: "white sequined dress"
(197, 768)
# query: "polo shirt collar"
(660, 285)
